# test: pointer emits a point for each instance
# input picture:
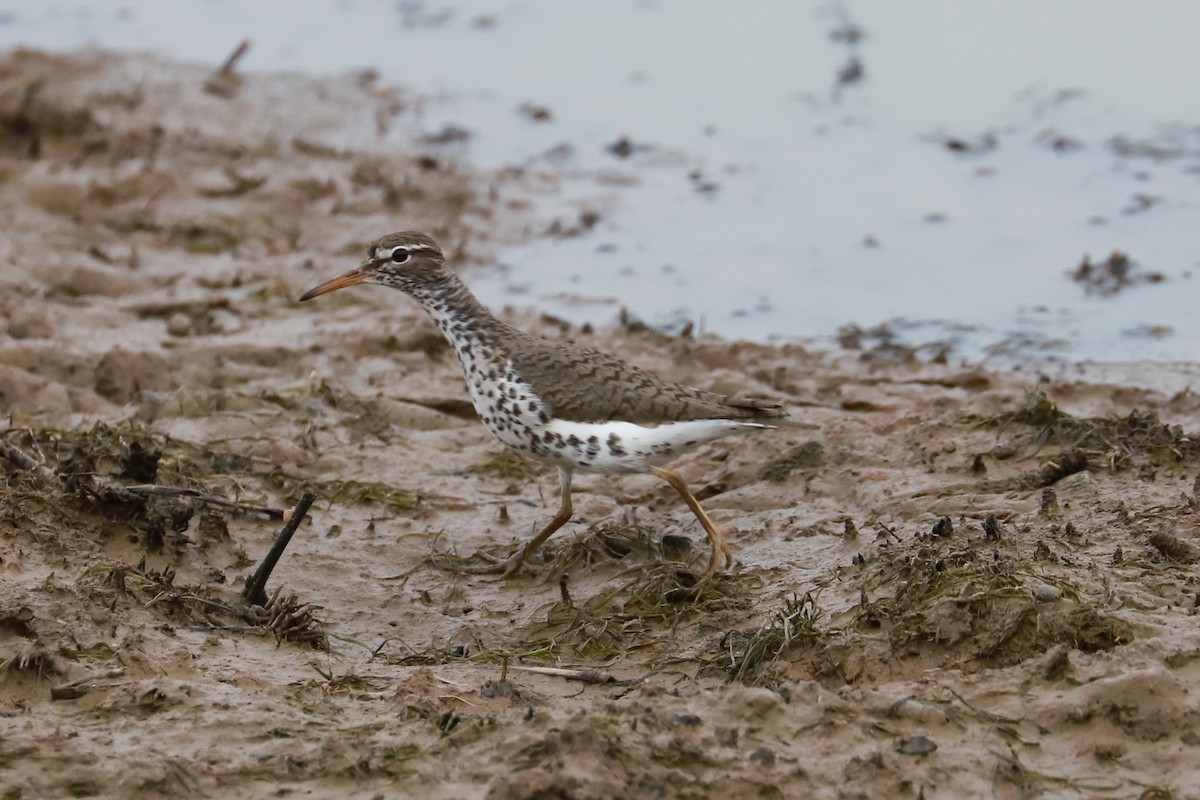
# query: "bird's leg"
(561, 518)
(719, 547)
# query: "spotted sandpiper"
(571, 406)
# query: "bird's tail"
(755, 409)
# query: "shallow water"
(761, 199)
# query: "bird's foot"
(503, 570)
(513, 565)
(492, 564)
(720, 550)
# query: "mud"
(950, 582)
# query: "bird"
(561, 403)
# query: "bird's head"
(407, 261)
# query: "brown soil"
(953, 583)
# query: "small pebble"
(179, 324)
(1045, 593)
(222, 321)
(910, 708)
(757, 701)
(916, 746)
(763, 755)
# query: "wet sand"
(949, 582)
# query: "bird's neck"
(463, 320)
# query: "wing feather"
(585, 385)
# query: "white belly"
(629, 447)
(515, 416)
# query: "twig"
(581, 675)
(207, 499)
(249, 629)
(14, 454)
(231, 63)
(255, 590)
(985, 714)
(76, 689)
(21, 460)
(224, 81)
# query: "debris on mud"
(1101, 440)
(1114, 274)
(1026, 613)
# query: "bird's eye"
(399, 255)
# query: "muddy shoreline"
(950, 583)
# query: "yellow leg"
(561, 518)
(719, 546)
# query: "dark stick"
(224, 81)
(231, 63)
(255, 590)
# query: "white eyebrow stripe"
(389, 249)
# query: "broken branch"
(255, 591)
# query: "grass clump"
(977, 601)
(1113, 439)
(343, 492)
(751, 653)
(653, 596)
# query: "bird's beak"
(359, 274)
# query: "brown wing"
(585, 385)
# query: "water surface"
(756, 189)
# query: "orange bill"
(352, 278)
